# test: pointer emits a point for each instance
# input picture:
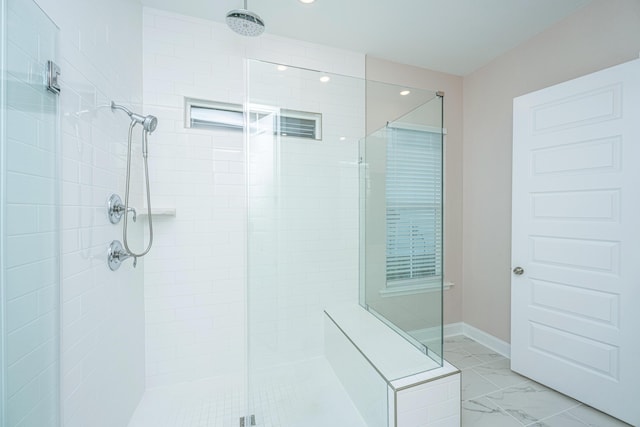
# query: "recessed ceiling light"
(342, 138)
(325, 79)
(281, 67)
(307, 1)
(405, 92)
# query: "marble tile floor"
(495, 396)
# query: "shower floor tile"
(307, 393)
(493, 395)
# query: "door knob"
(518, 271)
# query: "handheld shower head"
(149, 123)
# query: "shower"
(225, 322)
(245, 22)
(117, 209)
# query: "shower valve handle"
(116, 255)
(116, 209)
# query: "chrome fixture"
(149, 124)
(53, 73)
(116, 209)
(245, 22)
(244, 422)
(117, 254)
(518, 271)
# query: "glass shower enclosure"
(29, 220)
(302, 171)
(401, 213)
(340, 211)
(320, 208)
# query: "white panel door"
(575, 309)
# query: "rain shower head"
(245, 22)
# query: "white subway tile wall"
(194, 278)
(433, 404)
(103, 311)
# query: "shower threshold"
(305, 393)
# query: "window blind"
(413, 206)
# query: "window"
(413, 208)
(213, 115)
(203, 114)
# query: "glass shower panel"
(401, 213)
(29, 260)
(304, 128)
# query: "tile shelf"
(162, 211)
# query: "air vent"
(300, 124)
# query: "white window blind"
(414, 207)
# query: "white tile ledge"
(362, 351)
(396, 360)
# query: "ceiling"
(453, 36)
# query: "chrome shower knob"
(116, 255)
(116, 209)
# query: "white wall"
(478, 171)
(102, 323)
(194, 277)
(604, 33)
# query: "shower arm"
(135, 117)
(115, 106)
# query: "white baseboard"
(487, 340)
(452, 329)
(426, 334)
(461, 328)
